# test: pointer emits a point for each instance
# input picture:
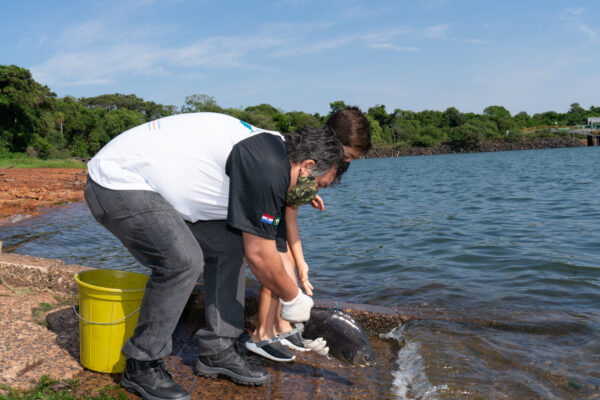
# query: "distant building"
(594, 122)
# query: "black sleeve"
(259, 176)
(281, 240)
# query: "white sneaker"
(273, 351)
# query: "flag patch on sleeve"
(267, 219)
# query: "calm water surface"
(497, 253)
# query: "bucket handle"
(97, 323)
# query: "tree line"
(33, 120)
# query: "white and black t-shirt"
(208, 166)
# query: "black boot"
(151, 380)
(231, 365)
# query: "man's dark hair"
(352, 128)
(318, 144)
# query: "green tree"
(120, 120)
(576, 115)
(21, 101)
(501, 116)
(430, 117)
(378, 113)
(264, 116)
(546, 118)
(336, 106)
(200, 103)
(376, 131)
(110, 102)
(403, 128)
(471, 133)
(451, 118)
(522, 119)
(294, 120)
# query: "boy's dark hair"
(352, 128)
(318, 144)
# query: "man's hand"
(319, 346)
(298, 309)
(303, 276)
(318, 203)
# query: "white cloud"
(386, 36)
(357, 11)
(477, 41)
(437, 31)
(193, 76)
(575, 11)
(389, 46)
(84, 34)
(303, 49)
(593, 35)
(100, 65)
(95, 67)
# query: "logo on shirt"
(269, 219)
(247, 125)
(154, 125)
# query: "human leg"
(294, 341)
(269, 323)
(267, 308)
(224, 285)
(281, 325)
(157, 237)
(265, 320)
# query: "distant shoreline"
(481, 147)
(29, 191)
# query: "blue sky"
(529, 56)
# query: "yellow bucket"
(109, 301)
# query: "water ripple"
(504, 245)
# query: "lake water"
(497, 253)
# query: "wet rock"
(29, 350)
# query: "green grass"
(38, 312)
(51, 389)
(19, 160)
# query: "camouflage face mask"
(303, 193)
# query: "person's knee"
(186, 261)
(188, 264)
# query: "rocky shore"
(483, 146)
(40, 337)
(27, 191)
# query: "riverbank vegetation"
(22, 160)
(35, 123)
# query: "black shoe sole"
(137, 389)
(214, 372)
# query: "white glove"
(298, 309)
(319, 346)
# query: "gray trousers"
(177, 253)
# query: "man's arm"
(295, 246)
(265, 262)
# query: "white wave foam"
(16, 218)
(410, 379)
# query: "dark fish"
(346, 339)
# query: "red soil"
(27, 191)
